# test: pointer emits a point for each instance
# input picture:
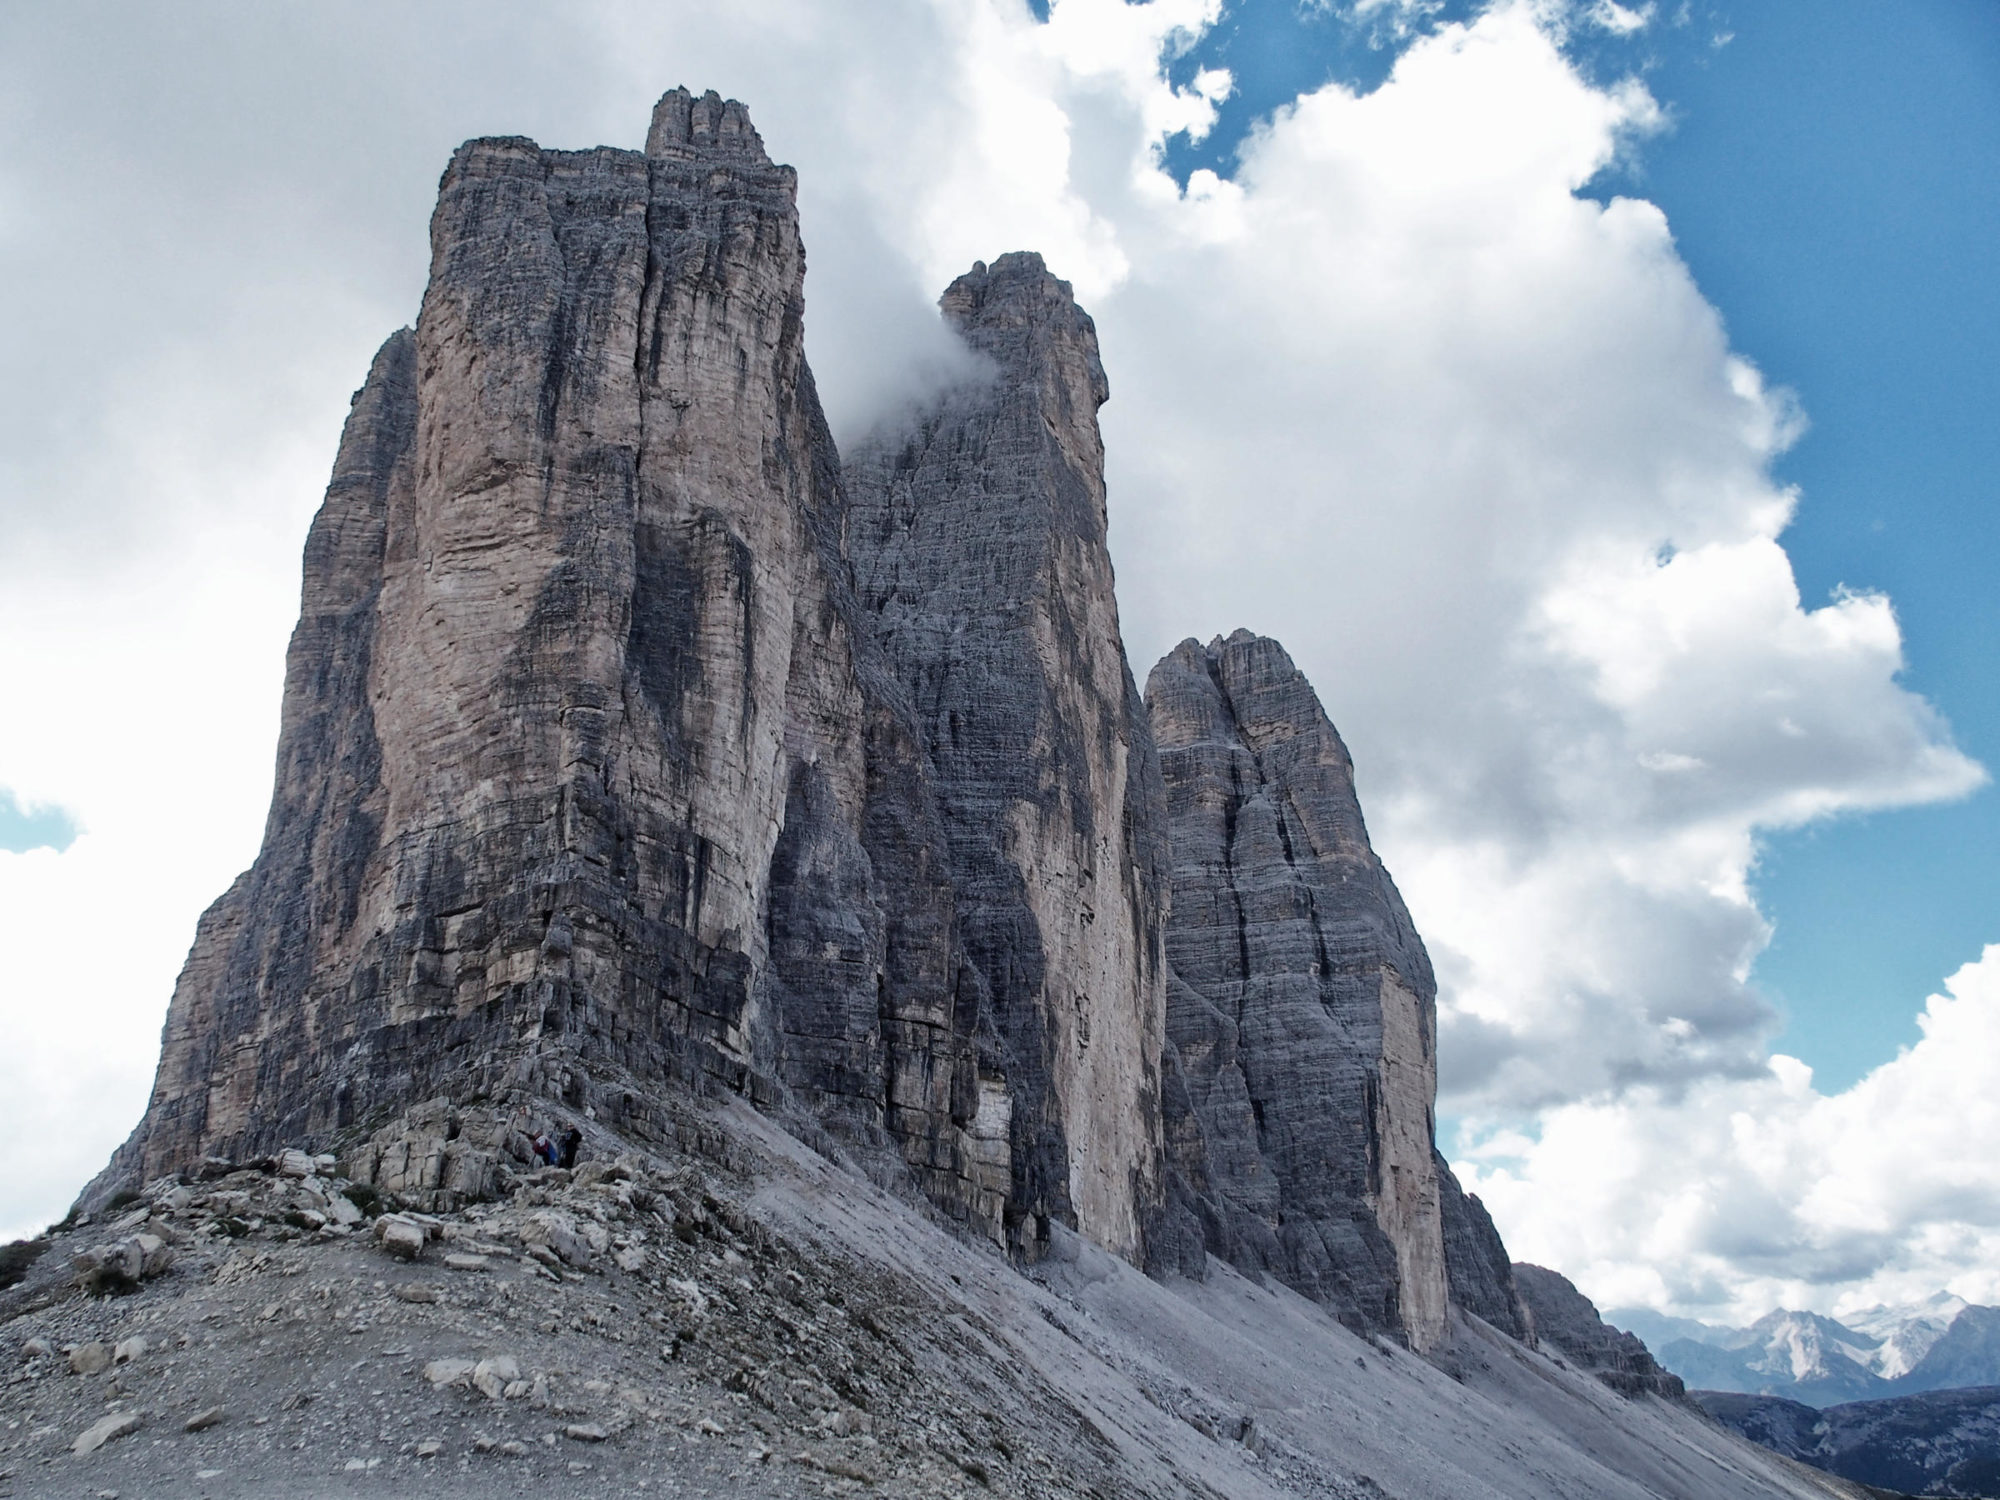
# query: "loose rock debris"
(274, 1320)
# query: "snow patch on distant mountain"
(1941, 1342)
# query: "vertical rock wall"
(626, 745)
(978, 543)
(587, 780)
(1301, 1021)
(1476, 1262)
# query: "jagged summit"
(1303, 1015)
(785, 831)
(686, 128)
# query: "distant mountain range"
(1931, 1443)
(1941, 1343)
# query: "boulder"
(492, 1377)
(104, 1430)
(450, 1371)
(401, 1236)
(90, 1359)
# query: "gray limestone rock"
(1476, 1262)
(977, 537)
(588, 781)
(1564, 1318)
(1302, 1014)
(632, 746)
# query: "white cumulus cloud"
(1736, 1196)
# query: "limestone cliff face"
(1302, 1018)
(1476, 1261)
(632, 745)
(978, 543)
(588, 779)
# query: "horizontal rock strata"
(586, 773)
(978, 543)
(1566, 1320)
(1302, 1017)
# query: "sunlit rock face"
(1302, 1017)
(978, 541)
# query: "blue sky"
(24, 826)
(1830, 182)
(1828, 177)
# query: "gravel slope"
(741, 1317)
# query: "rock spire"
(1302, 1019)
(588, 780)
(633, 745)
(979, 549)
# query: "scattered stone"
(460, 1261)
(450, 1371)
(492, 1376)
(414, 1291)
(585, 1432)
(429, 1448)
(710, 1426)
(513, 1448)
(401, 1236)
(296, 1164)
(204, 1419)
(130, 1349)
(92, 1358)
(105, 1430)
(38, 1348)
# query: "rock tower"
(635, 746)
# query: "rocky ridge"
(1944, 1443)
(1564, 1319)
(644, 765)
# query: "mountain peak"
(685, 127)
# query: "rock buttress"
(1302, 1014)
(1563, 1318)
(1476, 1261)
(587, 778)
(978, 543)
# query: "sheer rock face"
(587, 778)
(1562, 1316)
(1476, 1262)
(978, 543)
(1302, 1017)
